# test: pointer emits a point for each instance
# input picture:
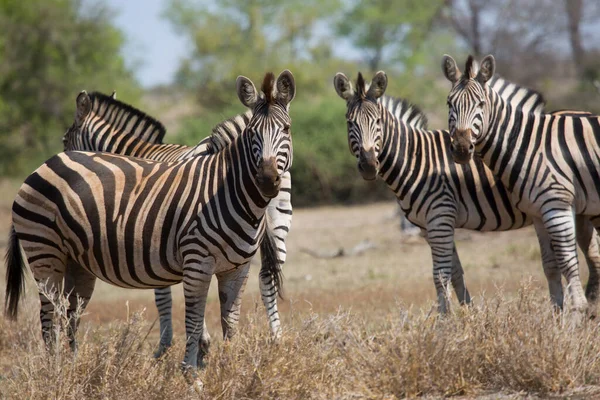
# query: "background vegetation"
(51, 50)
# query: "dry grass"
(498, 345)
(354, 327)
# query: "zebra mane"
(519, 97)
(267, 87)
(224, 133)
(129, 121)
(400, 108)
(404, 111)
(471, 68)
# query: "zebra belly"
(225, 250)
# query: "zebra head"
(468, 104)
(269, 128)
(363, 119)
(72, 138)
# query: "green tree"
(388, 30)
(49, 51)
(247, 37)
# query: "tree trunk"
(475, 8)
(574, 13)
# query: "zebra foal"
(137, 223)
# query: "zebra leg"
(268, 293)
(231, 288)
(440, 236)
(48, 275)
(458, 279)
(279, 220)
(279, 216)
(196, 281)
(560, 226)
(551, 269)
(79, 287)
(587, 238)
(164, 305)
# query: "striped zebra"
(137, 223)
(548, 163)
(434, 193)
(104, 124)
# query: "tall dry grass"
(501, 344)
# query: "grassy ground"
(359, 326)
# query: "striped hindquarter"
(434, 192)
(104, 124)
(138, 223)
(549, 163)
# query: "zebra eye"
(378, 121)
(481, 104)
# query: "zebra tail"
(270, 264)
(15, 284)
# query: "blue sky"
(152, 48)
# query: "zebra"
(434, 193)
(138, 223)
(548, 163)
(104, 124)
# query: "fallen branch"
(341, 252)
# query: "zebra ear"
(378, 85)
(451, 71)
(286, 87)
(343, 86)
(246, 91)
(84, 106)
(486, 69)
(114, 95)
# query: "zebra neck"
(504, 145)
(240, 182)
(398, 151)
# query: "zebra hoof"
(276, 335)
(197, 386)
(162, 349)
(190, 374)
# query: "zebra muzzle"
(268, 179)
(462, 147)
(368, 165)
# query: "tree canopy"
(49, 51)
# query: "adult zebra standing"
(549, 163)
(434, 193)
(136, 223)
(104, 124)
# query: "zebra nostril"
(471, 147)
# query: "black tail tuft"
(270, 264)
(14, 275)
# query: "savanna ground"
(361, 326)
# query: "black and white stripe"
(549, 163)
(138, 223)
(434, 193)
(104, 124)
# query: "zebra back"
(518, 96)
(125, 119)
(404, 111)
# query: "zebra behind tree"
(549, 163)
(435, 193)
(105, 124)
(137, 223)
